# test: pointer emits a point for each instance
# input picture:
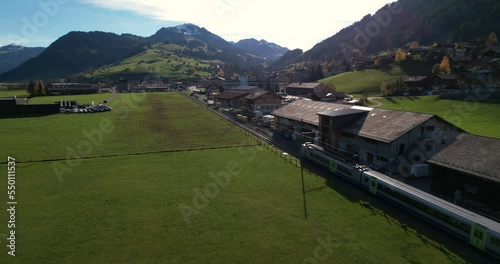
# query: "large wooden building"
(469, 170)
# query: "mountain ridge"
(79, 51)
(13, 55)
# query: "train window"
(454, 222)
(495, 241)
(465, 227)
(344, 170)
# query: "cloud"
(295, 24)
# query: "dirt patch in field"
(155, 121)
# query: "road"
(377, 103)
(458, 247)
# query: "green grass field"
(167, 207)
(11, 93)
(482, 118)
(164, 60)
(367, 82)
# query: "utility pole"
(302, 173)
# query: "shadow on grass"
(391, 99)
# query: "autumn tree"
(445, 67)
(414, 45)
(383, 89)
(41, 88)
(400, 55)
(436, 69)
(492, 40)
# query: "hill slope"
(79, 52)
(395, 25)
(75, 52)
(11, 56)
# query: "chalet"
(468, 170)
(493, 52)
(444, 81)
(229, 99)
(213, 88)
(261, 103)
(72, 88)
(308, 90)
(416, 82)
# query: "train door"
(333, 165)
(373, 185)
(478, 236)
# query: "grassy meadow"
(238, 204)
(164, 60)
(481, 118)
(367, 82)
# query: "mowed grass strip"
(474, 116)
(139, 123)
(126, 210)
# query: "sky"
(292, 24)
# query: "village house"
(315, 91)
(261, 103)
(230, 99)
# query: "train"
(478, 231)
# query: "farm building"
(72, 88)
(469, 169)
(19, 107)
(386, 140)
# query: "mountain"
(203, 44)
(262, 48)
(76, 52)
(397, 24)
(79, 52)
(13, 55)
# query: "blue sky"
(294, 24)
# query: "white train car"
(477, 230)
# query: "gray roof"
(230, 95)
(244, 88)
(416, 78)
(379, 124)
(303, 85)
(385, 125)
(256, 95)
(307, 110)
(343, 112)
(471, 154)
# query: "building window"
(369, 140)
(443, 141)
(429, 145)
(382, 159)
(401, 148)
(348, 135)
(370, 157)
(429, 128)
(471, 188)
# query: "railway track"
(405, 219)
